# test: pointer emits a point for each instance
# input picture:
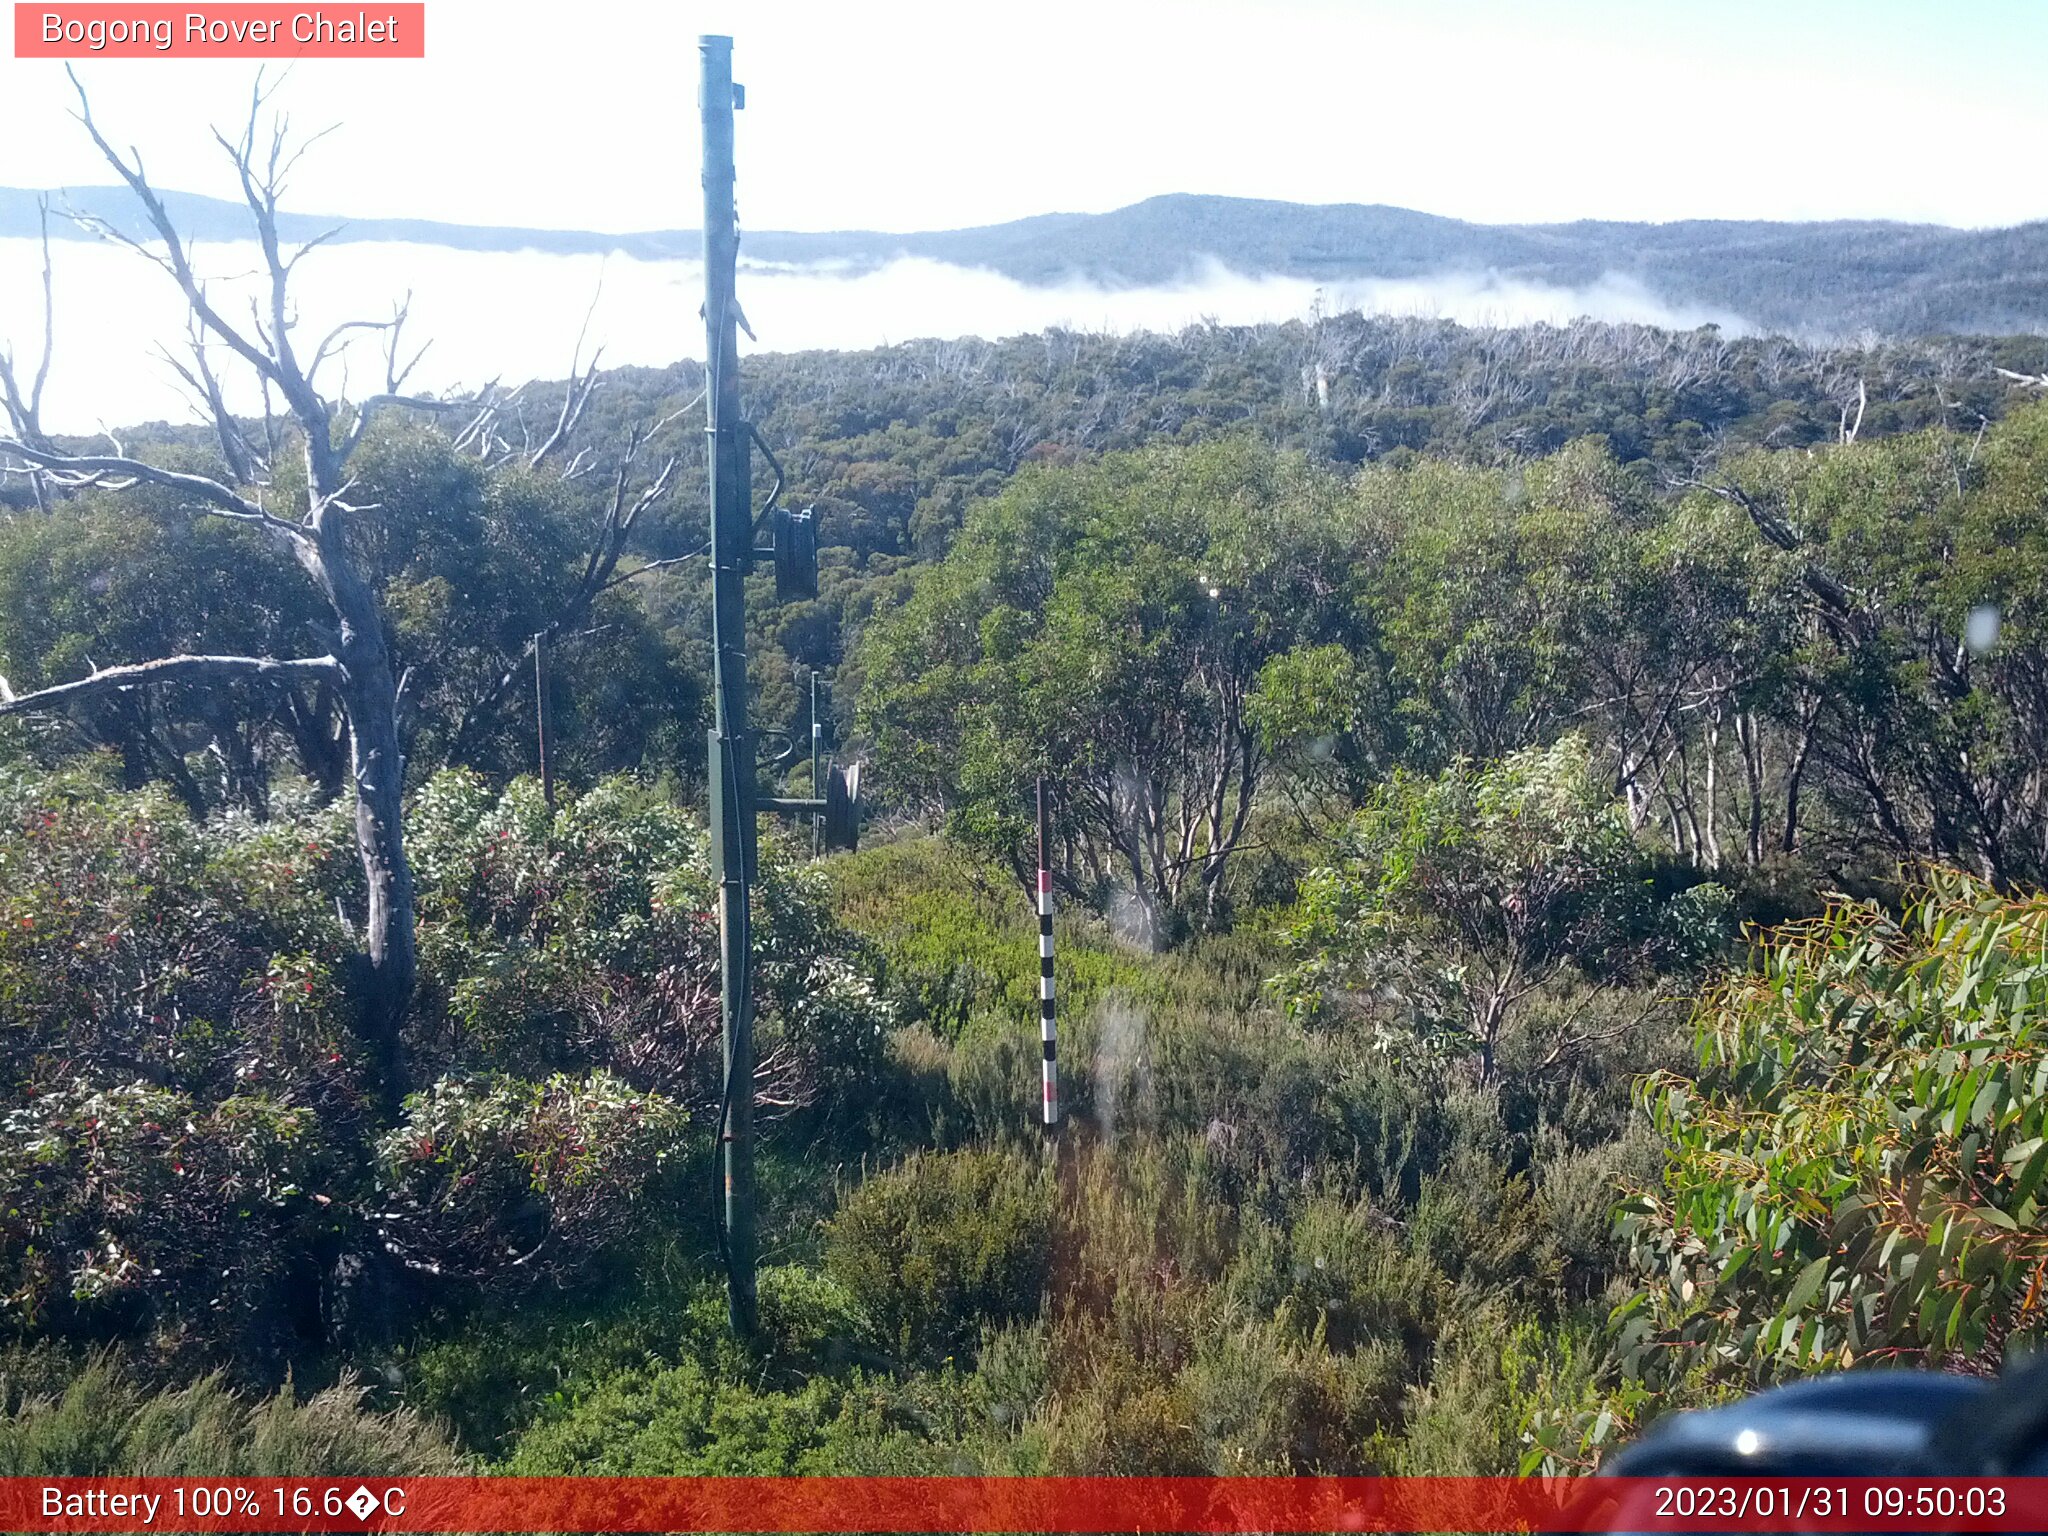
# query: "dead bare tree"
(356, 668)
(25, 408)
(1849, 428)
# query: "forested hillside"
(1549, 823)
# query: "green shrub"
(942, 1243)
(1473, 1222)
(1857, 1173)
(1128, 1420)
(1013, 1372)
(1450, 900)
(179, 1093)
(959, 939)
(518, 1362)
(104, 1423)
(189, 1153)
(1574, 1251)
(1343, 1272)
(484, 1180)
(1494, 1372)
(1269, 1402)
(682, 1422)
(587, 937)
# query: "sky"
(901, 114)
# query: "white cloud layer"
(515, 315)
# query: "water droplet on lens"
(1980, 630)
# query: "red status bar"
(1053, 1504)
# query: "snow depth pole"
(729, 469)
(1048, 1029)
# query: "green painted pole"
(732, 746)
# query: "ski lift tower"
(792, 549)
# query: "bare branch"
(271, 353)
(261, 193)
(25, 412)
(1568, 1044)
(575, 396)
(197, 394)
(654, 492)
(677, 414)
(368, 408)
(332, 344)
(269, 425)
(80, 470)
(175, 259)
(100, 229)
(324, 236)
(326, 348)
(576, 393)
(242, 460)
(623, 510)
(395, 376)
(655, 565)
(305, 144)
(168, 669)
(477, 430)
(35, 396)
(1832, 594)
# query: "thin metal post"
(732, 747)
(1048, 1028)
(817, 784)
(540, 712)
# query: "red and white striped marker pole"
(1048, 1030)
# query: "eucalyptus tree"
(1453, 904)
(1919, 567)
(1108, 625)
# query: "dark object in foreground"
(1859, 1424)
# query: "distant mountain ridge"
(1837, 278)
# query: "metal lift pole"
(817, 780)
(732, 746)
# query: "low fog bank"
(515, 315)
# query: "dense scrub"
(1267, 1238)
(1252, 1248)
(192, 1164)
(1406, 807)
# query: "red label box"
(376, 30)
